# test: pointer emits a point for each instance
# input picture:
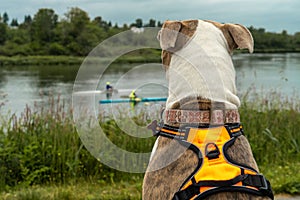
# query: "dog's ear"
(238, 37)
(168, 34)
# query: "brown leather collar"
(214, 117)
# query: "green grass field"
(42, 157)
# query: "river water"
(29, 85)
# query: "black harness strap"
(188, 193)
(257, 181)
(194, 189)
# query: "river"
(29, 85)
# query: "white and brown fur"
(167, 171)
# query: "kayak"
(105, 101)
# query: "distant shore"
(67, 60)
(77, 60)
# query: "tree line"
(77, 34)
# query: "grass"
(284, 178)
(271, 124)
(138, 56)
(42, 157)
(40, 60)
(77, 191)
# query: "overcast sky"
(273, 15)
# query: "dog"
(196, 55)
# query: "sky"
(273, 15)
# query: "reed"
(271, 123)
(41, 146)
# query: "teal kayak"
(105, 101)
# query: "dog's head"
(197, 58)
(175, 34)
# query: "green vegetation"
(75, 34)
(77, 191)
(40, 60)
(270, 125)
(138, 56)
(42, 157)
(267, 42)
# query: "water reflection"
(265, 72)
(28, 84)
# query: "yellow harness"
(215, 172)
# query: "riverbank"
(139, 56)
(144, 57)
(40, 60)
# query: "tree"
(43, 25)
(77, 19)
(98, 21)
(284, 33)
(26, 24)
(75, 34)
(88, 39)
(261, 30)
(5, 18)
(159, 24)
(125, 26)
(152, 23)
(138, 23)
(296, 40)
(101, 23)
(27, 19)
(3, 33)
(14, 23)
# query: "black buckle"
(266, 187)
(264, 182)
(237, 127)
(212, 151)
(257, 180)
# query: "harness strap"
(257, 181)
(221, 183)
(188, 193)
(194, 189)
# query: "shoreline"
(38, 60)
(69, 60)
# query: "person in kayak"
(132, 97)
(108, 86)
(109, 90)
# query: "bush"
(57, 49)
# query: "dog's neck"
(203, 69)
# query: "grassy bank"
(40, 60)
(139, 56)
(41, 154)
